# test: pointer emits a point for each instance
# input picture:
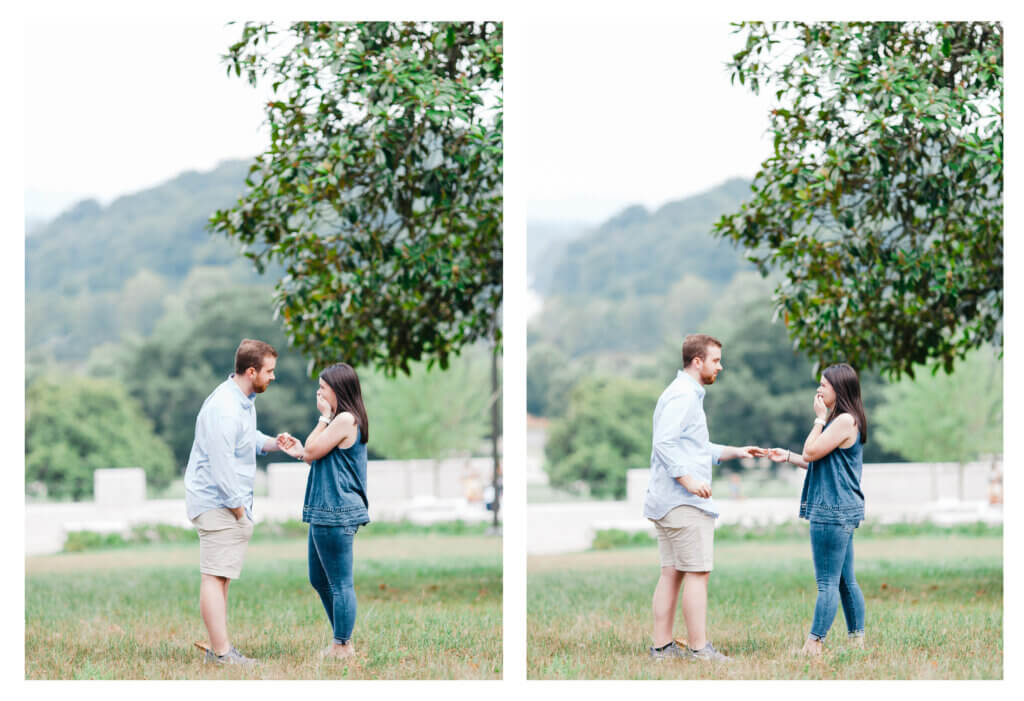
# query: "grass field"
(934, 611)
(429, 608)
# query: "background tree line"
(375, 218)
(876, 224)
(596, 365)
(121, 349)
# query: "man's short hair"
(250, 354)
(696, 346)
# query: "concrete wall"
(126, 485)
(897, 492)
(422, 491)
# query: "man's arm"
(220, 451)
(265, 443)
(729, 452)
(668, 446)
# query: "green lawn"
(429, 608)
(934, 611)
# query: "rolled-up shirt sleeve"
(716, 452)
(261, 440)
(221, 430)
(671, 446)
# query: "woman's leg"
(318, 577)
(828, 548)
(851, 595)
(334, 545)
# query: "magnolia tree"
(882, 203)
(381, 189)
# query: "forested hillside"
(133, 313)
(644, 253)
(618, 302)
(96, 274)
(638, 279)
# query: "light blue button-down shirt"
(680, 447)
(222, 464)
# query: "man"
(678, 500)
(219, 486)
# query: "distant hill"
(94, 274)
(161, 229)
(639, 278)
(545, 244)
(34, 225)
(637, 252)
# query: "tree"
(882, 203)
(765, 392)
(381, 189)
(605, 432)
(430, 413)
(940, 418)
(192, 351)
(76, 425)
(550, 376)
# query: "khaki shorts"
(686, 539)
(223, 540)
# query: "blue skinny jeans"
(832, 550)
(330, 573)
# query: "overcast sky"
(638, 111)
(116, 106)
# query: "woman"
(832, 500)
(335, 504)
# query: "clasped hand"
(773, 454)
(290, 445)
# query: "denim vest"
(832, 491)
(336, 488)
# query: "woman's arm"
(325, 437)
(783, 455)
(820, 443)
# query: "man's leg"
(695, 608)
(213, 606)
(665, 596)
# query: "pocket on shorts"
(221, 519)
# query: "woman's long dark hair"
(342, 378)
(843, 379)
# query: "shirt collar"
(245, 401)
(701, 391)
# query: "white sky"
(635, 111)
(115, 106)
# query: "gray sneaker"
(708, 652)
(232, 656)
(672, 650)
